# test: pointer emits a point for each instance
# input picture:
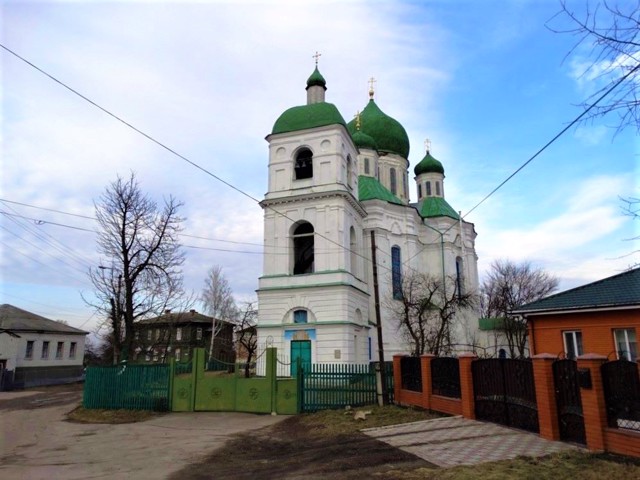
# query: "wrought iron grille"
(445, 377)
(622, 394)
(411, 372)
(568, 401)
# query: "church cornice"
(266, 203)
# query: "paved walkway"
(452, 441)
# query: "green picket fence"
(331, 386)
(131, 387)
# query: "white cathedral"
(331, 184)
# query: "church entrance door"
(300, 349)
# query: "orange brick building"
(602, 317)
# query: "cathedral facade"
(333, 189)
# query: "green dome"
(428, 165)
(362, 140)
(387, 132)
(316, 78)
(308, 116)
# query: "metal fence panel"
(622, 394)
(331, 386)
(131, 387)
(445, 377)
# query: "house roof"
(436, 207)
(617, 291)
(18, 320)
(179, 317)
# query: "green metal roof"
(369, 188)
(437, 207)
(316, 78)
(362, 140)
(428, 165)
(617, 291)
(387, 132)
(308, 116)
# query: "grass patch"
(340, 422)
(559, 466)
(84, 415)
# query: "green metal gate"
(331, 386)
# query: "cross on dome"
(372, 82)
(427, 145)
(316, 56)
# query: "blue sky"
(486, 82)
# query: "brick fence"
(599, 435)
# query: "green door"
(300, 349)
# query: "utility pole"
(383, 376)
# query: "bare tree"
(140, 275)
(426, 308)
(218, 301)
(246, 335)
(631, 208)
(611, 32)
(509, 285)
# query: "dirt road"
(37, 443)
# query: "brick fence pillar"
(593, 406)
(546, 395)
(397, 378)
(467, 398)
(425, 367)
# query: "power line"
(169, 149)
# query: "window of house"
(396, 272)
(572, 344)
(45, 349)
(59, 349)
(29, 352)
(393, 181)
(300, 316)
(72, 350)
(626, 344)
(459, 277)
(349, 170)
(404, 185)
(157, 334)
(177, 354)
(179, 333)
(303, 256)
(137, 335)
(366, 165)
(419, 191)
(378, 172)
(149, 334)
(438, 188)
(428, 185)
(199, 333)
(155, 355)
(304, 164)
(147, 356)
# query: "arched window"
(404, 185)
(438, 188)
(392, 180)
(428, 185)
(300, 316)
(366, 165)
(396, 272)
(353, 245)
(419, 191)
(304, 164)
(303, 257)
(459, 277)
(349, 168)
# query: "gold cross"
(316, 56)
(372, 81)
(427, 145)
